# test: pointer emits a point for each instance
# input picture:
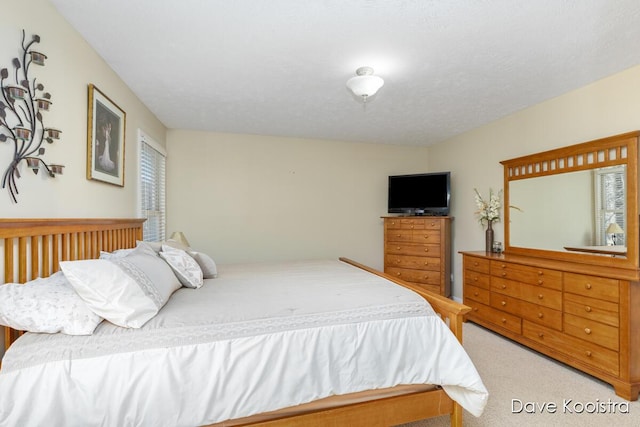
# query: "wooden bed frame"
(34, 247)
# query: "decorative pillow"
(120, 253)
(46, 305)
(127, 291)
(184, 266)
(207, 265)
(157, 246)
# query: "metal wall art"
(22, 102)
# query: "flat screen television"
(420, 194)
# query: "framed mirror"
(577, 203)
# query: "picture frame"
(106, 125)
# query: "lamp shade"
(614, 228)
(365, 84)
(178, 236)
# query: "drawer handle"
(425, 236)
(587, 331)
(587, 286)
(398, 274)
(540, 273)
(588, 353)
(426, 249)
(540, 315)
(475, 263)
(398, 235)
(540, 335)
(503, 303)
(426, 263)
(504, 320)
(587, 309)
(475, 294)
(503, 266)
(540, 282)
(398, 248)
(413, 226)
(540, 296)
(475, 278)
(475, 308)
(504, 286)
(504, 274)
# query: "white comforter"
(257, 338)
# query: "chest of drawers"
(418, 250)
(585, 317)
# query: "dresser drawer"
(474, 278)
(531, 275)
(417, 276)
(415, 262)
(399, 235)
(593, 309)
(589, 330)
(480, 265)
(592, 286)
(431, 288)
(531, 293)
(584, 351)
(477, 294)
(413, 223)
(497, 317)
(412, 249)
(426, 236)
(533, 312)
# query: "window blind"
(152, 191)
(611, 196)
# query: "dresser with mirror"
(568, 282)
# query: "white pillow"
(46, 305)
(127, 291)
(207, 265)
(184, 266)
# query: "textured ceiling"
(279, 67)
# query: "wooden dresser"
(417, 249)
(583, 315)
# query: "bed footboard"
(450, 311)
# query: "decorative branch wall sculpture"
(20, 116)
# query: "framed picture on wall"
(105, 139)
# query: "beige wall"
(607, 107)
(70, 67)
(257, 198)
(245, 198)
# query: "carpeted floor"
(512, 373)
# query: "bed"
(363, 365)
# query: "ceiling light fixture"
(364, 84)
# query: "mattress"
(258, 338)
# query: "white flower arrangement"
(488, 211)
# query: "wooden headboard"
(34, 247)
